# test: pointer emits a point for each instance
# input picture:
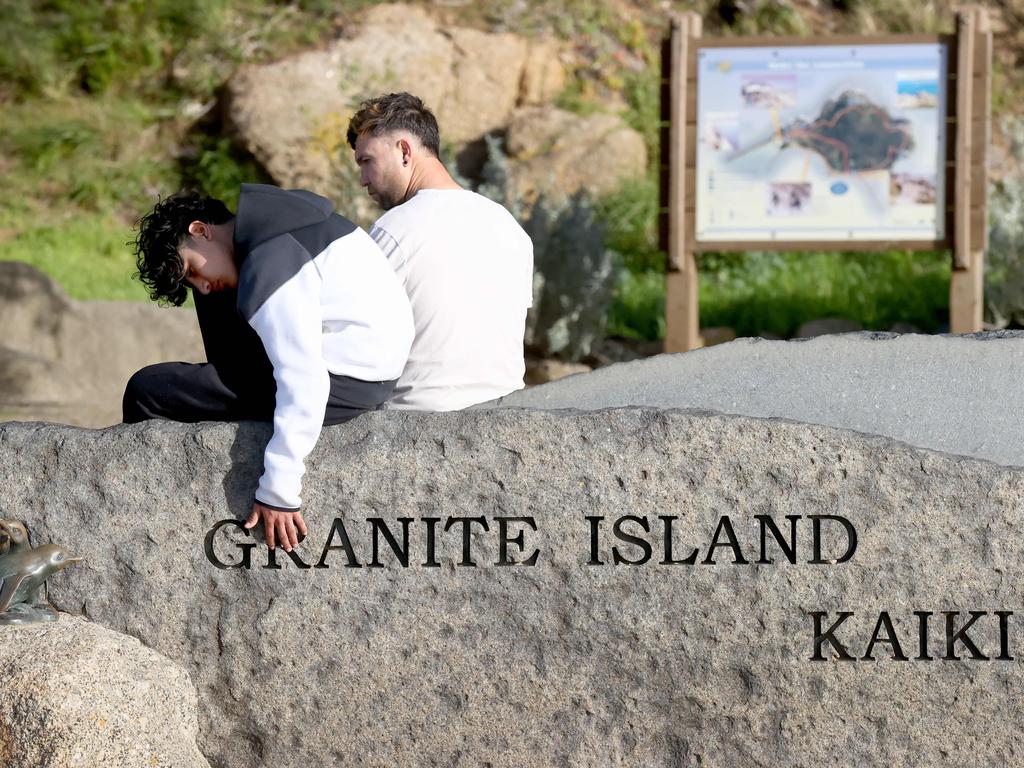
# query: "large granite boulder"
(959, 394)
(556, 153)
(67, 360)
(293, 114)
(76, 695)
(575, 657)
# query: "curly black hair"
(161, 232)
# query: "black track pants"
(237, 382)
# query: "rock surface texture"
(960, 394)
(76, 695)
(566, 662)
(552, 153)
(472, 80)
(475, 82)
(67, 360)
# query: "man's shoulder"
(444, 208)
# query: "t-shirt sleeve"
(289, 324)
(389, 245)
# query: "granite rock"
(67, 360)
(824, 326)
(551, 153)
(959, 394)
(76, 695)
(472, 81)
(565, 662)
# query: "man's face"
(209, 261)
(384, 168)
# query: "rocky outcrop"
(66, 360)
(556, 153)
(76, 695)
(825, 326)
(293, 114)
(581, 658)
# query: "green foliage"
(638, 308)
(93, 46)
(757, 293)
(87, 255)
(220, 167)
(154, 47)
(776, 17)
(1004, 270)
(94, 154)
(78, 172)
(778, 292)
(573, 270)
(629, 218)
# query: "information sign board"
(821, 143)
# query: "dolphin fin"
(11, 584)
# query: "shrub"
(573, 271)
(1004, 270)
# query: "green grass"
(776, 292)
(87, 255)
(92, 132)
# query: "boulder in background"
(67, 360)
(292, 115)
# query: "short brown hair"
(396, 112)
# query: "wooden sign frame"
(968, 105)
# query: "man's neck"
(225, 233)
(431, 174)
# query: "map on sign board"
(821, 143)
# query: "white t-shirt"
(467, 267)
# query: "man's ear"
(405, 146)
(199, 229)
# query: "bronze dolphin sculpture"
(13, 536)
(23, 572)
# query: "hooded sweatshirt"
(324, 300)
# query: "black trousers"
(237, 381)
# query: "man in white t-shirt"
(465, 263)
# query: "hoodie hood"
(265, 211)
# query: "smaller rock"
(67, 360)
(77, 694)
(556, 153)
(543, 73)
(541, 371)
(28, 379)
(32, 307)
(824, 326)
(717, 334)
(624, 350)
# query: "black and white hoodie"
(323, 299)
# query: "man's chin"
(383, 202)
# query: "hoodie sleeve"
(282, 303)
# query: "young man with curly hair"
(303, 321)
(465, 263)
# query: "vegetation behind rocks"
(109, 104)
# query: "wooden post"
(682, 316)
(973, 136)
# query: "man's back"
(467, 267)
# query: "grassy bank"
(108, 105)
